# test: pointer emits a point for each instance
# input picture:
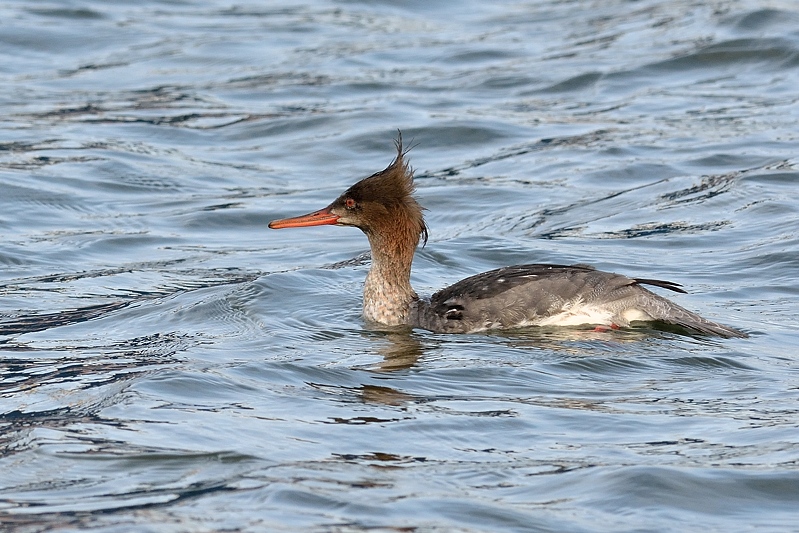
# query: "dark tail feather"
(670, 285)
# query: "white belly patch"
(633, 314)
(578, 315)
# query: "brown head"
(382, 206)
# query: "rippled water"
(169, 364)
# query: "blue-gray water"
(169, 364)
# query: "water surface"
(169, 364)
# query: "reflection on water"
(168, 363)
(402, 351)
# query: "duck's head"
(382, 206)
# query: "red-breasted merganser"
(383, 207)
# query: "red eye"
(350, 203)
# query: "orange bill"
(317, 218)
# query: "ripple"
(763, 19)
(14, 325)
(774, 491)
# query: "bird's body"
(384, 208)
(554, 295)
